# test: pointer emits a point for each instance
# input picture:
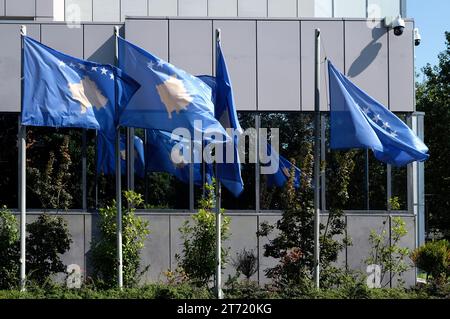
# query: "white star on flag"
(104, 71)
(62, 64)
(111, 76)
(160, 63)
(366, 110)
(377, 118)
(394, 134)
(386, 125)
(72, 65)
(150, 64)
(82, 66)
(94, 68)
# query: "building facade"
(269, 47)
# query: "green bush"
(48, 238)
(434, 259)
(9, 249)
(198, 258)
(104, 250)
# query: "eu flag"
(359, 121)
(63, 91)
(106, 155)
(169, 97)
(282, 175)
(172, 154)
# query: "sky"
(432, 17)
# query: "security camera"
(398, 24)
(417, 37)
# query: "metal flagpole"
(317, 162)
(218, 223)
(22, 173)
(118, 178)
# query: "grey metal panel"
(222, 8)
(156, 250)
(191, 45)
(78, 10)
(242, 236)
(408, 241)
(106, 10)
(315, 8)
(2, 7)
(192, 8)
(282, 8)
(76, 254)
(252, 8)
(266, 262)
(358, 229)
(10, 65)
(156, 36)
(278, 65)
(163, 7)
(57, 35)
(366, 58)
(99, 45)
(401, 70)
(349, 9)
(176, 242)
(20, 8)
(133, 8)
(239, 49)
(332, 35)
(44, 8)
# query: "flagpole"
(218, 222)
(118, 176)
(317, 162)
(22, 173)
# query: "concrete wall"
(164, 241)
(270, 61)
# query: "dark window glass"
(8, 160)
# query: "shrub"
(104, 250)
(434, 259)
(48, 238)
(198, 258)
(9, 249)
(246, 263)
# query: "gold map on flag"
(174, 95)
(87, 93)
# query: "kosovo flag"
(359, 121)
(169, 97)
(106, 155)
(172, 154)
(63, 91)
(282, 175)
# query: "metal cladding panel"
(133, 8)
(10, 65)
(44, 8)
(282, 8)
(99, 44)
(242, 236)
(156, 39)
(76, 254)
(163, 7)
(366, 58)
(408, 241)
(2, 7)
(20, 8)
(176, 242)
(190, 45)
(193, 8)
(222, 8)
(239, 49)
(401, 70)
(332, 37)
(252, 8)
(350, 8)
(315, 8)
(106, 10)
(78, 10)
(64, 39)
(278, 65)
(157, 252)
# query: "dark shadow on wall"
(106, 52)
(368, 54)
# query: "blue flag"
(169, 97)
(63, 91)
(281, 176)
(172, 154)
(358, 121)
(229, 171)
(106, 155)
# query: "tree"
(433, 98)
